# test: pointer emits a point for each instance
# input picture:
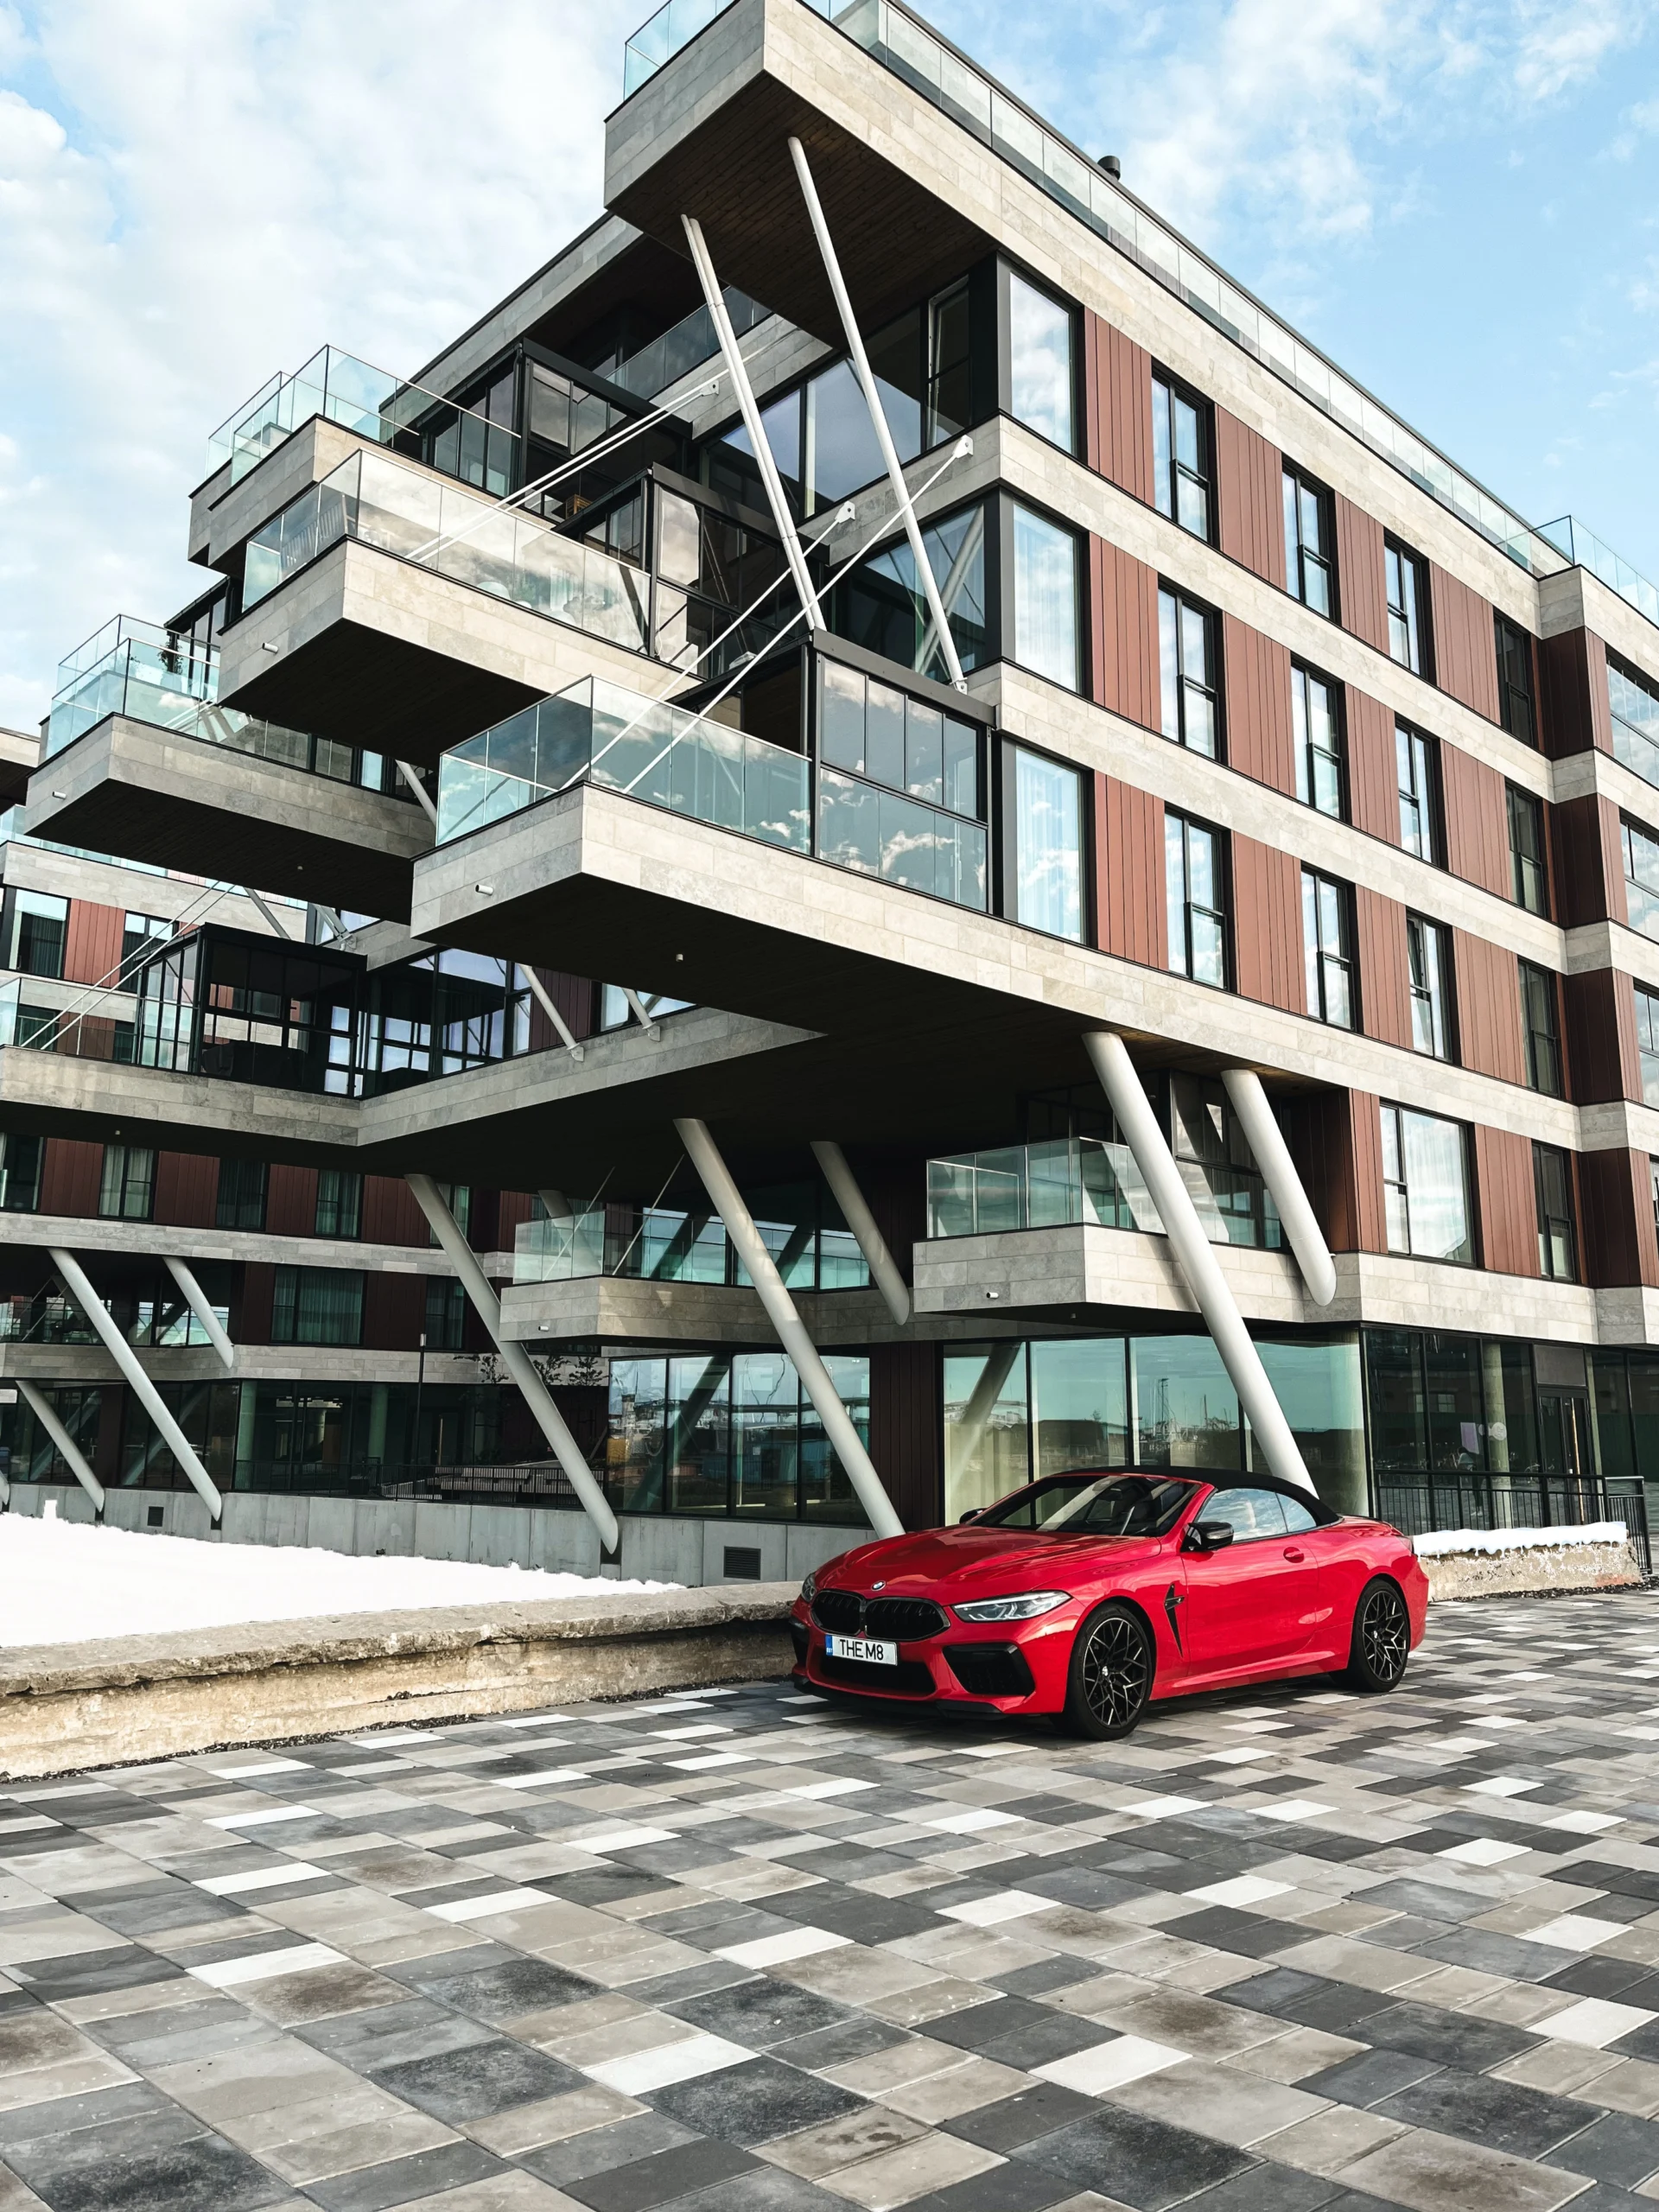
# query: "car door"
(1257, 1600)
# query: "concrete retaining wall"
(1530, 1569)
(67, 1707)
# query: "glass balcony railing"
(375, 405)
(661, 38)
(687, 346)
(646, 748)
(403, 510)
(1586, 550)
(1063, 1181)
(876, 831)
(669, 1244)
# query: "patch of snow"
(1518, 1540)
(63, 1581)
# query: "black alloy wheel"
(1110, 1677)
(1382, 1639)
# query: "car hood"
(969, 1559)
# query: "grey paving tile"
(1145, 2163)
(667, 2177)
(1502, 2115)
(754, 2102)
(477, 2080)
(406, 2181)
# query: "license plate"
(861, 1647)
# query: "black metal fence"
(1424, 1507)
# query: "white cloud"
(195, 192)
(1562, 43)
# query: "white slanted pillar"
(515, 1358)
(74, 1278)
(1195, 1254)
(196, 1299)
(751, 1249)
(884, 1268)
(1266, 1139)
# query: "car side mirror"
(972, 1513)
(1208, 1536)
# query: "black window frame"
(243, 1193)
(1647, 1018)
(1523, 805)
(13, 919)
(1009, 273)
(1297, 485)
(1301, 675)
(1176, 392)
(1435, 994)
(1185, 605)
(137, 1177)
(1424, 751)
(1540, 1042)
(1318, 959)
(1552, 1186)
(1518, 681)
(23, 1162)
(1392, 1107)
(349, 1184)
(1412, 612)
(1222, 914)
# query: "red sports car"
(1086, 1595)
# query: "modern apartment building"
(918, 847)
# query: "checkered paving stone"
(1286, 1949)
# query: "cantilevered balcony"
(142, 760)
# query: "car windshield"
(1094, 1505)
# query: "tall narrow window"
(241, 1194)
(1195, 889)
(20, 1173)
(340, 1203)
(1419, 809)
(127, 1187)
(1046, 875)
(1428, 955)
(445, 1314)
(1039, 346)
(1540, 1029)
(1634, 701)
(1328, 949)
(1514, 705)
(1641, 877)
(316, 1306)
(1319, 740)
(1558, 1248)
(36, 930)
(1407, 623)
(1531, 883)
(1425, 1186)
(1182, 467)
(949, 372)
(1646, 1039)
(1186, 646)
(1310, 539)
(1045, 598)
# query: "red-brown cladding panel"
(70, 1174)
(1130, 913)
(1373, 769)
(389, 1213)
(1268, 926)
(1249, 499)
(1476, 821)
(1603, 1060)
(1616, 1208)
(91, 951)
(1586, 852)
(1509, 1211)
(1256, 681)
(394, 1310)
(903, 1429)
(1573, 694)
(291, 1201)
(1360, 593)
(1465, 642)
(1124, 634)
(1117, 413)
(1384, 974)
(187, 1189)
(1488, 995)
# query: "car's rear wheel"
(1381, 1638)
(1109, 1680)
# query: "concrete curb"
(64, 1707)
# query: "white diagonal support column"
(68, 1451)
(1194, 1253)
(884, 1268)
(74, 1276)
(517, 1361)
(196, 1299)
(878, 418)
(750, 1246)
(751, 413)
(423, 796)
(1266, 1139)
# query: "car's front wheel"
(1109, 1681)
(1381, 1638)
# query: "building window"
(616, 1013)
(1653, 1178)
(1427, 954)
(1647, 1038)
(1541, 1030)
(1551, 1180)
(1514, 707)
(36, 930)
(1187, 657)
(1310, 540)
(1641, 877)
(1407, 621)
(1328, 949)
(1420, 807)
(140, 932)
(458, 1196)
(1635, 703)
(317, 1305)
(1531, 885)
(1425, 1186)
(340, 1203)
(1039, 346)
(241, 1194)
(1045, 598)
(1195, 889)
(1319, 740)
(20, 1173)
(949, 364)
(126, 1189)
(1182, 469)
(1044, 877)
(445, 1313)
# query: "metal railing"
(1066, 1180)
(1586, 550)
(1425, 1505)
(669, 1244)
(660, 39)
(687, 344)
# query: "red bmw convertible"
(1087, 1595)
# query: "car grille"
(910, 1678)
(893, 1620)
(990, 1669)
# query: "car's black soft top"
(1323, 1514)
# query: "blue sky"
(1460, 203)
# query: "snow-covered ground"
(62, 1581)
(1449, 1541)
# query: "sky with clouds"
(1460, 202)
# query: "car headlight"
(1025, 1607)
(809, 1586)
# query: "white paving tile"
(540, 1780)
(1242, 1890)
(970, 1821)
(247, 1767)
(1158, 1809)
(263, 1878)
(641, 2071)
(992, 1911)
(464, 1909)
(1106, 2066)
(1293, 1808)
(1574, 1931)
(706, 1759)
(1596, 2021)
(618, 1840)
(1501, 1785)
(266, 1966)
(778, 1950)
(1585, 1823)
(1483, 1851)
(267, 1816)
